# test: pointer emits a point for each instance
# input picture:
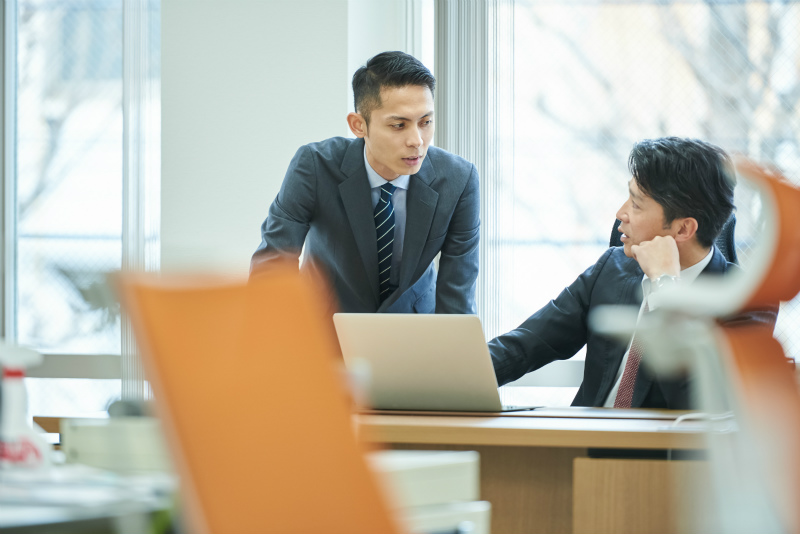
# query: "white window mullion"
(140, 217)
(475, 119)
(9, 226)
(414, 28)
(474, 98)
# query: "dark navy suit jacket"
(559, 330)
(325, 204)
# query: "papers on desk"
(608, 413)
(68, 496)
(80, 485)
(579, 412)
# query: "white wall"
(382, 25)
(244, 84)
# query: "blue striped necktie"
(384, 227)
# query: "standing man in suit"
(680, 195)
(373, 212)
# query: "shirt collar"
(689, 274)
(376, 180)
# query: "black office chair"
(725, 240)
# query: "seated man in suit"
(681, 194)
(373, 212)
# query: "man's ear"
(357, 124)
(686, 229)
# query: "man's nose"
(414, 137)
(622, 213)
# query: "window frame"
(137, 95)
(8, 216)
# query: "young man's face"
(642, 219)
(400, 131)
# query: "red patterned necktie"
(625, 391)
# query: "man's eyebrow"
(399, 118)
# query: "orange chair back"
(763, 379)
(770, 402)
(781, 278)
(249, 388)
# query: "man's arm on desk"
(555, 332)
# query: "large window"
(567, 88)
(590, 79)
(71, 81)
(69, 174)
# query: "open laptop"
(421, 362)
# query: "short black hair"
(688, 178)
(387, 69)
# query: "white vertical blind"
(141, 208)
(474, 102)
(8, 114)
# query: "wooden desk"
(530, 462)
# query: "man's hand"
(658, 256)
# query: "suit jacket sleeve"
(555, 332)
(458, 263)
(288, 221)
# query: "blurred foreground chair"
(742, 378)
(223, 355)
(758, 471)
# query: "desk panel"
(527, 463)
(637, 496)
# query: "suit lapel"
(357, 201)
(717, 265)
(421, 203)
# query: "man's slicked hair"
(387, 70)
(688, 178)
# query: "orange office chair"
(221, 355)
(740, 371)
(767, 397)
(778, 274)
(768, 415)
(755, 470)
